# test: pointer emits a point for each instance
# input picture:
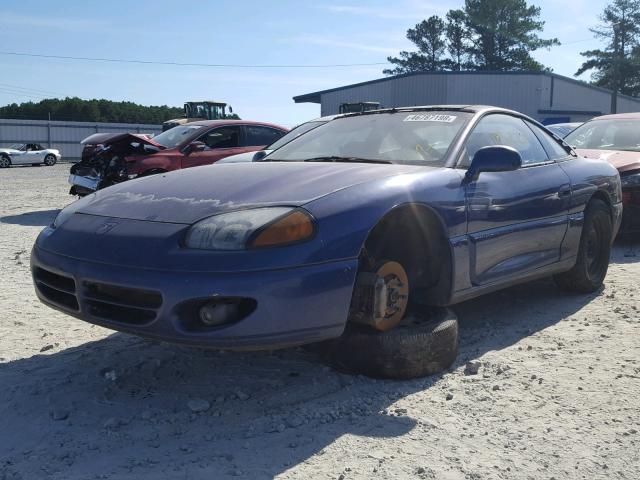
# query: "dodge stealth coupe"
(358, 234)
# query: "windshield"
(421, 138)
(607, 135)
(176, 135)
(295, 133)
(17, 146)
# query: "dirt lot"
(557, 394)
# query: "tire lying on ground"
(420, 345)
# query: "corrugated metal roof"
(315, 97)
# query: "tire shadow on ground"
(38, 218)
(123, 406)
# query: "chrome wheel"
(4, 162)
(49, 160)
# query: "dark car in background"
(563, 129)
(616, 139)
(108, 159)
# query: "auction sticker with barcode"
(430, 117)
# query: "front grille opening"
(54, 281)
(119, 313)
(123, 296)
(222, 312)
(58, 297)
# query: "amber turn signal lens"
(294, 227)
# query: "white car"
(28, 154)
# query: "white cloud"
(333, 42)
(414, 11)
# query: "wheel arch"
(604, 197)
(415, 231)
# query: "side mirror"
(259, 155)
(499, 158)
(195, 147)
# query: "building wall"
(65, 136)
(540, 96)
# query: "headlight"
(70, 209)
(632, 180)
(254, 228)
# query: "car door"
(516, 219)
(220, 142)
(18, 155)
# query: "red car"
(113, 158)
(616, 139)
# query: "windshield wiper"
(334, 158)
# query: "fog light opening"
(216, 313)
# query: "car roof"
(220, 123)
(619, 116)
(423, 108)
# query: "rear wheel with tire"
(50, 160)
(5, 161)
(592, 262)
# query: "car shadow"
(38, 218)
(120, 406)
(626, 249)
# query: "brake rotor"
(396, 283)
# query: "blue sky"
(237, 32)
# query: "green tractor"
(204, 110)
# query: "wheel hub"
(392, 295)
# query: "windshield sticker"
(430, 117)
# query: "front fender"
(346, 217)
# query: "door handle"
(564, 191)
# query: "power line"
(181, 64)
(31, 90)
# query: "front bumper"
(87, 183)
(293, 305)
(631, 212)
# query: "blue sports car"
(356, 234)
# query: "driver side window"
(223, 137)
(499, 129)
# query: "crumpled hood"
(623, 160)
(113, 138)
(188, 195)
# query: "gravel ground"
(556, 393)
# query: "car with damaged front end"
(111, 158)
(358, 234)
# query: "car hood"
(623, 160)
(188, 195)
(8, 150)
(113, 138)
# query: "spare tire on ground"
(422, 344)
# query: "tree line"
(79, 110)
(500, 35)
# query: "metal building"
(65, 136)
(547, 97)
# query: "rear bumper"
(293, 306)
